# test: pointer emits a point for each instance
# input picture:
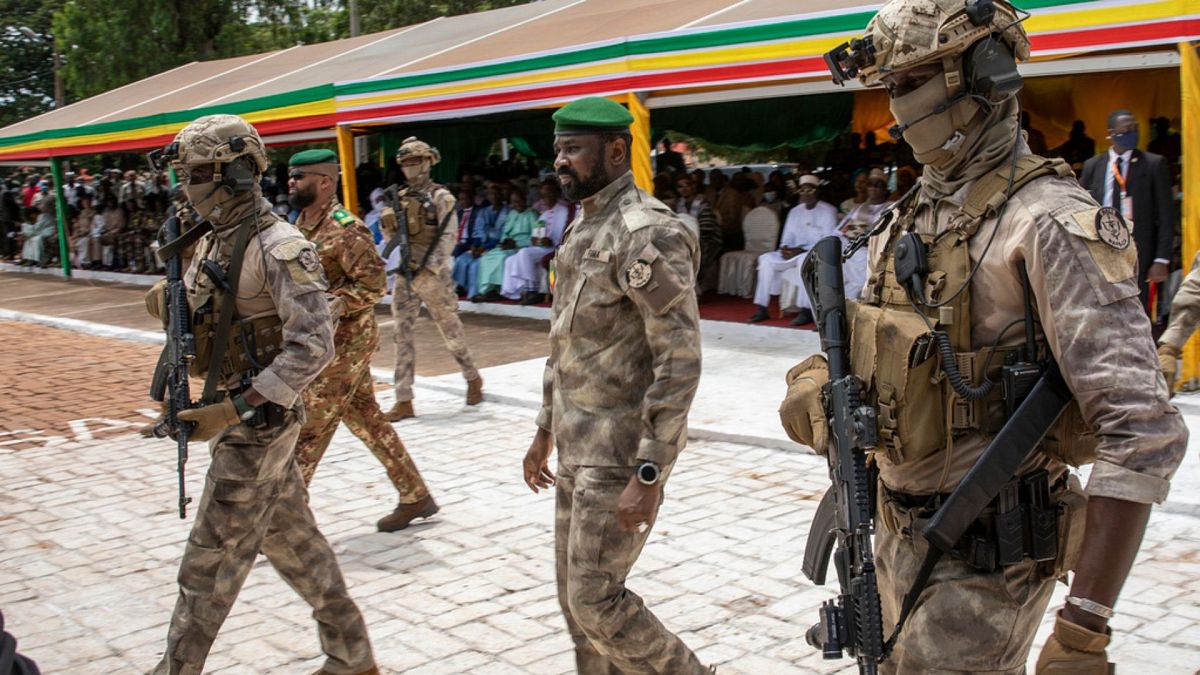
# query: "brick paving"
(91, 544)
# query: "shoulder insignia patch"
(639, 273)
(309, 260)
(343, 217)
(1111, 228)
(289, 249)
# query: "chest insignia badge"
(638, 273)
(308, 260)
(1111, 228)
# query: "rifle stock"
(852, 622)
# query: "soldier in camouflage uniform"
(1185, 319)
(1007, 213)
(345, 391)
(624, 365)
(254, 498)
(433, 229)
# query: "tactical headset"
(238, 175)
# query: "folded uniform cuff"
(274, 389)
(544, 418)
(1118, 482)
(653, 450)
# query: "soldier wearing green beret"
(344, 391)
(624, 365)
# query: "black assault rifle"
(853, 622)
(399, 238)
(171, 377)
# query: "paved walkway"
(91, 541)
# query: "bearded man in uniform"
(345, 391)
(432, 233)
(623, 369)
(1002, 228)
(261, 273)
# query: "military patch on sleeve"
(639, 273)
(343, 217)
(309, 260)
(1111, 228)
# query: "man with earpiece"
(995, 275)
(263, 331)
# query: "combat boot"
(401, 411)
(475, 391)
(406, 513)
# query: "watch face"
(248, 415)
(648, 473)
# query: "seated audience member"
(37, 235)
(81, 234)
(371, 220)
(717, 180)
(858, 221)
(523, 270)
(489, 223)
(860, 192)
(736, 200)
(517, 234)
(692, 203)
(906, 178)
(806, 224)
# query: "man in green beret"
(344, 391)
(624, 365)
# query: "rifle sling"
(437, 239)
(172, 248)
(225, 318)
(1016, 440)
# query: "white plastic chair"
(738, 268)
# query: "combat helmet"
(219, 140)
(910, 33)
(414, 147)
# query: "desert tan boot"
(406, 513)
(475, 391)
(401, 411)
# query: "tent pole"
(345, 143)
(1189, 75)
(643, 174)
(60, 206)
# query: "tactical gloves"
(1168, 359)
(211, 419)
(801, 412)
(1073, 650)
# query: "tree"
(26, 68)
(378, 15)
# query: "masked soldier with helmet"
(263, 331)
(996, 265)
(428, 210)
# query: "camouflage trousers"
(967, 621)
(436, 291)
(612, 629)
(254, 500)
(345, 392)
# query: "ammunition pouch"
(252, 344)
(1030, 520)
(422, 222)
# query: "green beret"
(313, 157)
(593, 114)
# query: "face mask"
(934, 137)
(417, 173)
(1127, 140)
(206, 199)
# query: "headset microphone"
(896, 131)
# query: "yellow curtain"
(345, 143)
(643, 174)
(1055, 102)
(1189, 80)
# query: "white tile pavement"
(91, 546)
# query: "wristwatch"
(245, 411)
(648, 473)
